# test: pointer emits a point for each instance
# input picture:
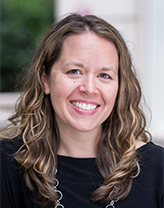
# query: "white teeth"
(84, 106)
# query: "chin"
(86, 129)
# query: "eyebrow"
(109, 69)
(74, 64)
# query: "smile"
(84, 106)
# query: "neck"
(78, 144)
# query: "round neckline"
(94, 158)
(144, 146)
(78, 158)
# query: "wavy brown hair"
(34, 121)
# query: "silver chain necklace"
(59, 194)
(58, 204)
(111, 204)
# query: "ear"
(45, 80)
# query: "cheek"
(61, 90)
(55, 92)
(111, 94)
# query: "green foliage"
(22, 25)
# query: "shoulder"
(10, 146)
(151, 168)
(151, 155)
(15, 191)
(152, 150)
(147, 188)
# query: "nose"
(89, 85)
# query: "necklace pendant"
(111, 204)
(59, 205)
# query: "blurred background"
(141, 22)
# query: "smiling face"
(83, 82)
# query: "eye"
(74, 71)
(104, 76)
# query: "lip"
(83, 111)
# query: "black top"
(78, 178)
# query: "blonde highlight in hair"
(35, 124)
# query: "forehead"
(86, 37)
(88, 51)
(88, 42)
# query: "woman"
(78, 136)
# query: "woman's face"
(83, 82)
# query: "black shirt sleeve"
(148, 187)
(14, 192)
